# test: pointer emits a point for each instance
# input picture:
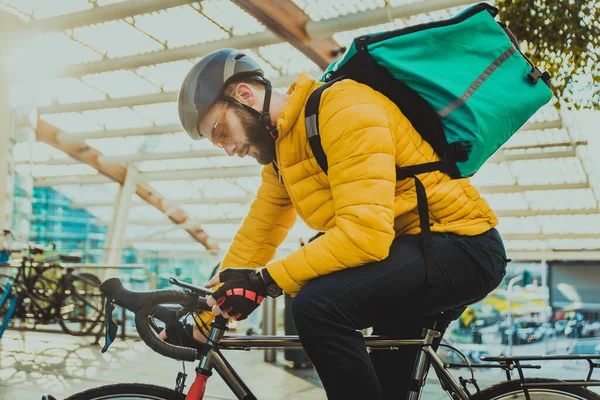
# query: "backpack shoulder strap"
(311, 117)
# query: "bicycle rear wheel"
(128, 391)
(512, 390)
(81, 308)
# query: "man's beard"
(258, 136)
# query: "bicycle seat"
(69, 258)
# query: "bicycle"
(158, 305)
(45, 292)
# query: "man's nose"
(230, 149)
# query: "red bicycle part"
(197, 389)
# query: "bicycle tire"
(89, 281)
(512, 390)
(125, 391)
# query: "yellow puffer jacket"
(359, 203)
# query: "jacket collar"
(299, 92)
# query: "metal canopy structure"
(107, 92)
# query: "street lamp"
(511, 283)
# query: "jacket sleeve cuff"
(282, 277)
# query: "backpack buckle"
(536, 74)
(460, 151)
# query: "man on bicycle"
(368, 268)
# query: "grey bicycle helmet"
(204, 83)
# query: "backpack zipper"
(436, 24)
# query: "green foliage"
(563, 38)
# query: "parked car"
(574, 329)
(559, 326)
(590, 329)
(524, 332)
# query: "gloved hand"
(242, 292)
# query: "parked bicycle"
(43, 292)
(157, 305)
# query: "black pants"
(391, 296)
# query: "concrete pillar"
(6, 150)
(113, 248)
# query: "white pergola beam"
(167, 175)
(526, 188)
(547, 145)
(132, 101)
(52, 161)
(502, 155)
(191, 222)
(265, 38)
(202, 173)
(175, 155)
(537, 213)
(64, 137)
(50, 181)
(98, 15)
(184, 240)
(228, 200)
(538, 126)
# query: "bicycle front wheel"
(128, 391)
(538, 391)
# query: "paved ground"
(32, 363)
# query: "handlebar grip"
(147, 333)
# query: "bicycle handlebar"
(143, 304)
(33, 248)
(148, 335)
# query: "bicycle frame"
(11, 308)
(212, 358)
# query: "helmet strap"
(264, 117)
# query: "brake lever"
(195, 289)
(111, 326)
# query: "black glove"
(241, 293)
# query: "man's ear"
(245, 93)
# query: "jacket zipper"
(278, 170)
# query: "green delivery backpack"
(463, 83)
